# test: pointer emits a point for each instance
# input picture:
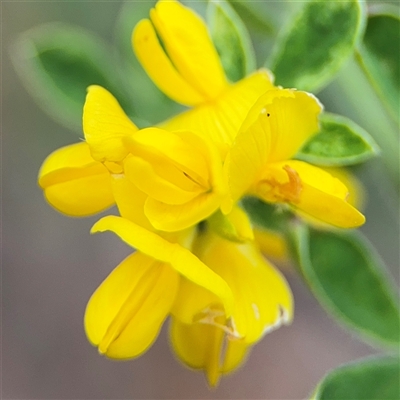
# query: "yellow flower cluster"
(175, 182)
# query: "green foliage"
(379, 55)
(231, 40)
(57, 63)
(340, 142)
(372, 379)
(266, 216)
(262, 19)
(253, 19)
(317, 44)
(348, 279)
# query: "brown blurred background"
(51, 265)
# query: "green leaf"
(372, 379)
(252, 15)
(379, 55)
(339, 142)
(57, 63)
(349, 280)
(231, 40)
(317, 43)
(262, 19)
(266, 216)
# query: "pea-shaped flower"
(180, 172)
(124, 315)
(203, 335)
(175, 49)
(261, 162)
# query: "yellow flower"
(237, 139)
(189, 71)
(272, 243)
(74, 183)
(357, 195)
(259, 162)
(220, 309)
(124, 315)
(262, 302)
(181, 173)
(78, 179)
(192, 75)
(207, 347)
(174, 179)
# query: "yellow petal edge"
(181, 259)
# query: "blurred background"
(51, 265)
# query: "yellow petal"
(182, 174)
(160, 68)
(171, 217)
(198, 346)
(275, 128)
(221, 119)
(235, 226)
(172, 167)
(74, 183)
(182, 260)
(208, 153)
(263, 300)
(189, 46)
(124, 315)
(194, 303)
(205, 347)
(81, 197)
(235, 353)
(357, 195)
(271, 244)
(245, 161)
(105, 124)
(185, 150)
(288, 117)
(311, 190)
(144, 175)
(240, 220)
(329, 209)
(130, 201)
(74, 156)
